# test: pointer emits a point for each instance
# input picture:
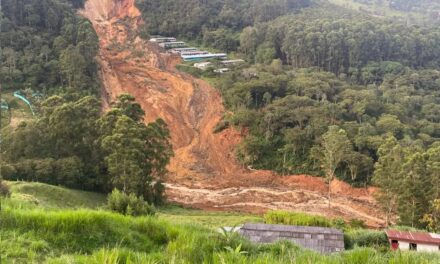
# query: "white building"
(221, 70)
(417, 241)
(202, 65)
(162, 40)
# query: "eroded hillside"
(204, 172)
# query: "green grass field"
(55, 197)
(40, 225)
(40, 195)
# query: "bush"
(4, 190)
(366, 238)
(293, 218)
(222, 125)
(357, 224)
(128, 204)
(190, 70)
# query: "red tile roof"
(417, 237)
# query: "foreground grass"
(40, 195)
(48, 232)
(92, 236)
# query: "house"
(320, 239)
(181, 50)
(208, 56)
(174, 44)
(221, 70)
(202, 65)
(197, 52)
(162, 39)
(417, 241)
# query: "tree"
(416, 190)
(432, 218)
(136, 155)
(335, 148)
(387, 176)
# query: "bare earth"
(204, 173)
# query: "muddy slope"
(204, 172)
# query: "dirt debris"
(204, 173)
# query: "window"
(413, 246)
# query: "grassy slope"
(49, 232)
(55, 197)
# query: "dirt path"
(204, 172)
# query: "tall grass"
(295, 218)
(366, 238)
(88, 236)
(86, 230)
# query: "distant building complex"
(191, 54)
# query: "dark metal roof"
(294, 229)
(410, 236)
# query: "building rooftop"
(294, 229)
(321, 239)
(410, 236)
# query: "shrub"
(357, 224)
(222, 125)
(128, 204)
(294, 218)
(189, 69)
(366, 238)
(4, 190)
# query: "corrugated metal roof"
(296, 229)
(416, 237)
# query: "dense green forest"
(216, 23)
(323, 90)
(48, 49)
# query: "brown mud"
(204, 172)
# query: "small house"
(181, 50)
(202, 65)
(197, 52)
(170, 45)
(201, 57)
(221, 70)
(159, 39)
(417, 241)
(320, 239)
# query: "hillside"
(102, 237)
(204, 172)
(50, 232)
(416, 12)
(49, 197)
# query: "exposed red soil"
(204, 172)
